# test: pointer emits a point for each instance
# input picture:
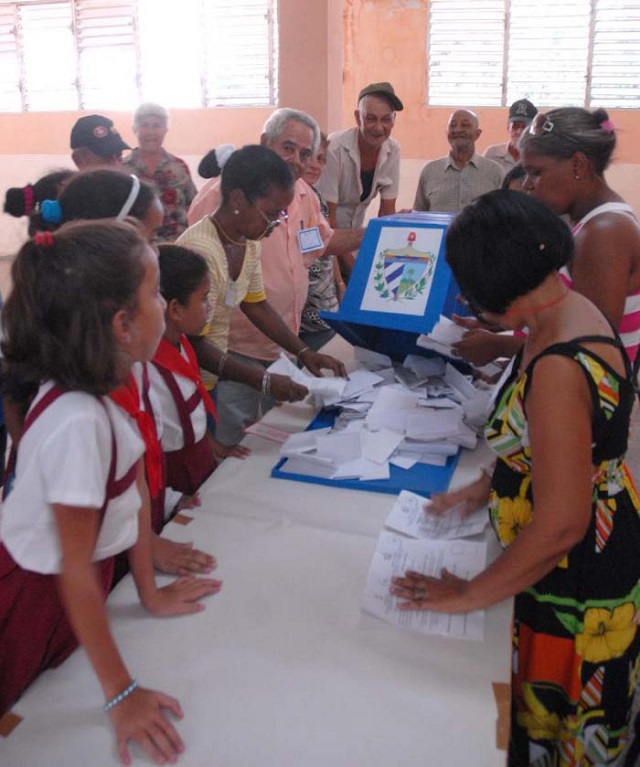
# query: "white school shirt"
(64, 458)
(156, 406)
(172, 436)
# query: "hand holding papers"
(406, 569)
(410, 516)
(395, 555)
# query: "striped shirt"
(443, 186)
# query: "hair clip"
(27, 194)
(43, 239)
(51, 211)
(607, 126)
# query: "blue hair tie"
(51, 211)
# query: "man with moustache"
(452, 182)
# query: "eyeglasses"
(271, 222)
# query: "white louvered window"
(113, 54)
(492, 52)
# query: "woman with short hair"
(168, 174)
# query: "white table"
(282, 668)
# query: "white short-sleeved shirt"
(172, 436)
(341, 184)
(64, 458)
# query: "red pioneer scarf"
(127, 397)
(168, 357)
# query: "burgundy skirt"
(189, 467)
(35, 633)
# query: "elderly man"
(286, 255)
(451, 182)
(95, 143)
(521, 113)
(364, 161)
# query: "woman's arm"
(602, 266)
(559, 416)
(139, 716)
(209, 356)
(262, 315)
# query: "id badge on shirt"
(309, 239)
(230, 295)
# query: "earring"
(236, 212)
(576, 176)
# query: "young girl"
(85, 307)
(107, 193)
(26, 200)
(189, 449)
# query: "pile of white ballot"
(420, 412)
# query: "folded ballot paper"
(410, 516)
(395, 415)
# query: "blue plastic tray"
(421, 479)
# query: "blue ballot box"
(399, 287)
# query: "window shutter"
(240, 59)
(548, 51)
(615, 72)
(107, 54)
(48, 56)
(466, 52)
(171, 52)
(10, 93)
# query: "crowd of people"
(137, 337)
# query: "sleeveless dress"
(575, 637)
(629, 327)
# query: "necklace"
(549, 304)
(541, 307)
(222, 231)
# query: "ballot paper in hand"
(322, 386)
(410, 516)
(394, 555)
(444, 335)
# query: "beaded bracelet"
(301, 352)
(222, 363)
(266, 383)
(120, 697)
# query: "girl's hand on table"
(140, 717)
(187, 502)
(468, 499)
(423, 592)
(182, 596)
(175, 558)
(221, 451)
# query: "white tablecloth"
(282, 668)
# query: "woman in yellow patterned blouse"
(561, 499)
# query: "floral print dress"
(575, 635)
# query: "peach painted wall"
(329, 49)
